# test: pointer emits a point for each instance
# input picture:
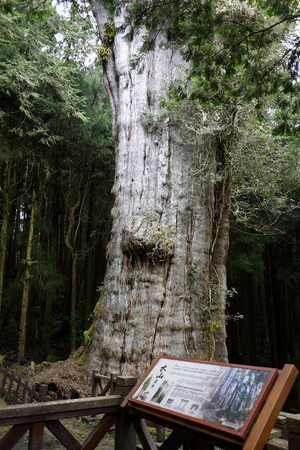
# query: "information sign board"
(221, 396)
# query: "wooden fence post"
(160, 433)
(95, 387)
(9, 393)
(293, 431)
(5, 373)
(25, 392)
(36, 437)
(125, 435)
(43, 392)
(16, 399)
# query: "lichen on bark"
(147, 234)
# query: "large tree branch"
(262, 30)
(102, 17)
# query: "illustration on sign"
(221, 394)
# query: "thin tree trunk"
(26, 282)
(46, 326)
(52, 254)
(71, 248)
(4, 227)
(216, 332)
(12, 240)
(70, 241)
(73, 302)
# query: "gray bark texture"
(165, 284)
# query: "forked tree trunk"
(165, 283)
(70, 241)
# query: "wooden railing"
(36, 416)
(15, 391)
(102, 384)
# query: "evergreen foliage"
(36, 83)
(237, 49)
(54, 111)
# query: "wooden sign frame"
(170, 384)
(196, 435)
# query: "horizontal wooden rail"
(36, 416)
(39, 412)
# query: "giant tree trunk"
(165, 284)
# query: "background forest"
(57, 170)
(56, 175)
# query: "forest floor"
(67, 379)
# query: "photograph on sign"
(221, 394)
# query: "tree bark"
(159, 292)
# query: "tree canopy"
(237, 50)
(38, 84)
